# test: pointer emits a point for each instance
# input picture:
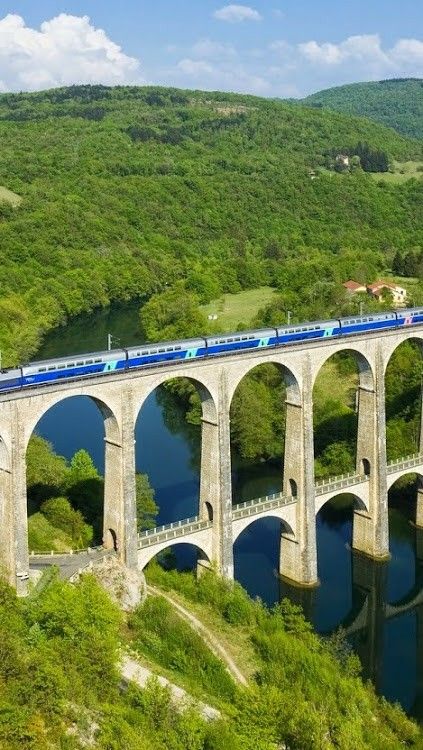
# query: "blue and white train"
(150, 355)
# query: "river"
(373, 602)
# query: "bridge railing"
(172, 531)
(77, 551)
(252, 507)
(339, 483)
(405, 463)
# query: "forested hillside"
(127, 190)
(397, 103)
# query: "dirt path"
(208, 637)
(132, 670)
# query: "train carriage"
(238, 341)
(10, 379)
(306, 331)
(409, 317)
(99, 363)
(370, 322)
(73, 367)
(165, 351)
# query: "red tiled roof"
(378, 285)
(352, 286)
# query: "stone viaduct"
(120, 397)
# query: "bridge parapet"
(339, 483)
(172, 531)
(261, 504)
(410, 462)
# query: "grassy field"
(331, 385)
(233, 310)
(402, 171)
(6, 196)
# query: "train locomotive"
(167, 352)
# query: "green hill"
(127, 190)
(397, 103)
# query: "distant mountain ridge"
(396, 102)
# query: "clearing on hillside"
(6, 196)
(401, 171)
(233, 310)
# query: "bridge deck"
(257, 506)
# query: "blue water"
(390, 647)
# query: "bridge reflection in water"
(367, 624)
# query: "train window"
(53, 367)
(161, 351)
(88, 361)
(96, 362)
(144, 354)
(230, 341)
(177, 348)
(70, 364)
(79, 364)
(244, 338)
(169, 349)
(42, 369)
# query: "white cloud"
(218, 76)
(366, 48)
(209, 49)
(237, 13)
(195, 68)
(66, 50)
(408, 51)
(281, 47)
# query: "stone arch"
(365, 367)
(358, 503)
(417, 488)
(149, 553)
(399, 379)
(209, 475)
(392, 344)
(394, 477)
(287, 528)
(290, 400)
(209, 510)
(292, 381)
(365, 467)
(106, 409)
(293, 487)
(113, 520)
(205, 391)
(352, 425)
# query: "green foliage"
(396, 103)
(60, 514)
(257, 415)
(65, 501)
(308, 693)
(146, 507)
(172, 314)
(126, 191)
(164, 637)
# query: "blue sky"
(266, 47)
